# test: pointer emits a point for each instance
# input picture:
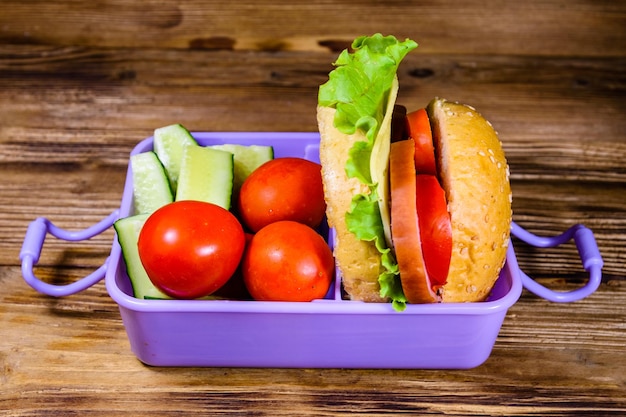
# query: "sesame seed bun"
(475, 176)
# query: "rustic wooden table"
(81, 83)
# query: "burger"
(420, 201)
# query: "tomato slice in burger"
(418, 127)
(421, 226)
(434, 220)
(405, 226)
(434, 228)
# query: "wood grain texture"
(580, 28)
(82, 82)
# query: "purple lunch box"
(326, 333)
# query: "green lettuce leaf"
(358, 88)
(359, 85)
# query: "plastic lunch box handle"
(40, 227)
(589, 255)
(33, 243)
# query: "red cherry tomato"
(287, 261)
(283, 189)
(419, 130)
(435, 228)
(189, 249)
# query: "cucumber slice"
(151, 188)
(169, 144)
(247, 159)
(127, 230)
(206, 174)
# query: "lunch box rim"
(310, 150)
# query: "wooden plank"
(244, 89)
(532, 27)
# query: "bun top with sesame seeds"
(475, 176)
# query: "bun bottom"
(359, 261)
